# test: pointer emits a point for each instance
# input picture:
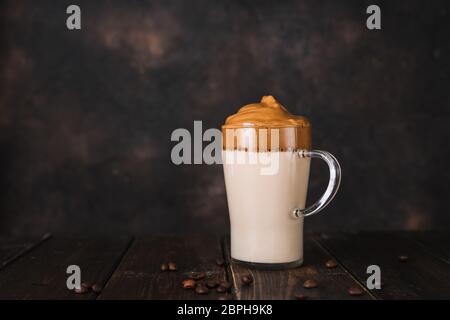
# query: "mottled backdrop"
(86, 116)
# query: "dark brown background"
(86, 116)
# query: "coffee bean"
(197, 275)
(309, 284)
(87, 285)
(201, 290)
(220, 262)
(355, 291)
(172, 266)
(301, 296)
(81, 290)
(188, 284)
(225, 284)
(402, 258)
(221, 289)
(211, 284)
(247, 279)
(330, 264)
(164, 267)
(97, 288)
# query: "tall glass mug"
(266, 158)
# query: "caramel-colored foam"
(266, 126)
(269, 113)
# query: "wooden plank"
(12, 248)
(422, 276)
(41, 273)
(285, 284)
(139, 276)
(436, 242)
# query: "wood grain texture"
(436, 242)
(139, 276)
(131, 270)
(41, 273)
(285, 284)
(13, 248)
(422, 276)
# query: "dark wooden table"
(129, 268)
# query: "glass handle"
(333, 184)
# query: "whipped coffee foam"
(266, 126)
